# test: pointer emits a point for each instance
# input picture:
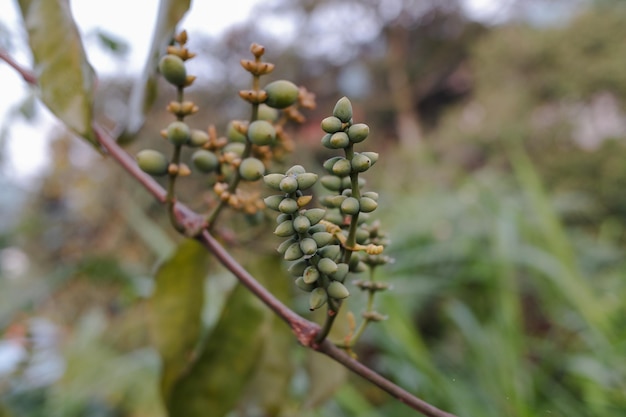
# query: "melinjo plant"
(323, 217)
(326, 247)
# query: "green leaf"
(325, 377)
(229, 357)
(149, 231)
(117, 46)
(66, 79)
(176, 309)
(143, 93)
(268, 388)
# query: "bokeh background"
(502, 183)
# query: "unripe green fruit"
(237, 148)
(337, 290)
(261, 132)
(198, 138)
(251, 169)
(317, 228)
(373, 156)
(330, 251)
(333, 201)
(360, 267)
(303, 285)
(288, 205)
(301, 224)
(283, 246)
(326, 141)
(293, 252)
(273, 180)
(152, 162)
(281, 94)
(315, 215)
(285, 229)
(205, 161)
(329, 163)
(354, 262)
(273, 201)
(308, 246)
(282, 217)
(362, 235)
(327, 266)
(341, 273)
(338, 140)
(360, 163)
(358, 132)
(297, 268)
(331, 182)
(173, 69)
(317, 298)
(334, 217)
(295, 170)
(322, 238)
(350, 206)
(368, 205)
(310, 275)
(343, 110)
(346, 182)
(306, 180)
(371, 194)
(178, 133)
(331, 124)
(233, 134)
(267, 113)
(288, 184)
(342, 167)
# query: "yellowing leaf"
(65, 78)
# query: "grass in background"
(497, 308)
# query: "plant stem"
(232, 187)
(333, 310)
(27, 75)
(171, 195)
(359, 331)
(402, 395)
(304, 330)
(331, 314)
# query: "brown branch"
(27, 75)
(304, 330)
(194, 224)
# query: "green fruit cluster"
(342, 133)
(314, 252)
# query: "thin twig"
(27, 75)
(194, 224)
(304, 330)
(339, 355)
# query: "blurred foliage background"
(502, 180)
